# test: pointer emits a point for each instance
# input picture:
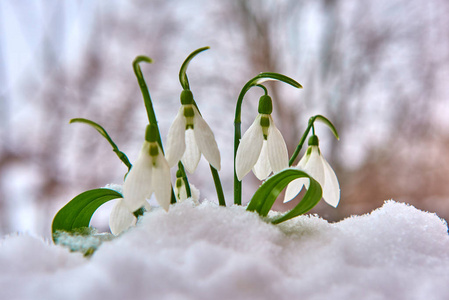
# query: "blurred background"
(379, 70)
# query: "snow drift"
(212, 252)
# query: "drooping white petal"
(314, 166)
(161, 181)
(302, 162)
(176, 144)
(249, 149)
(205, 140)
(192, 154)
(262, 168)
(137, 186)
(294, 187)
(331, 189)
(120, 218)
(277, 150)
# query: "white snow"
(212, 252)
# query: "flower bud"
(186, 97)
(151, 133)
(265, 105)
(313, 140)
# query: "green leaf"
(329, 124)
(266, 76)
(137, 61)
(266, 195)
(77, 213)
(182, 72)
(262, 77)
(122, 156)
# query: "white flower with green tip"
(262, 147)
(316, 166)
(189, 136)
(149, 174)
(181, 190)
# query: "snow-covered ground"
(212, 252)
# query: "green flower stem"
(237, 121)
(301, 143)
(306, 133)
(146, 94)
(104, 133)
(186, 86)
(184, 178)
(183, 71)
(148, 103)
(263, 88)
(218, 187)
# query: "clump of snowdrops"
(262, 150)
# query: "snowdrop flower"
(181, 191)
(149, 174)
(189, 136)
(180, 187)
(262, 147)
(316, 166)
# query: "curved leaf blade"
(262, 77)
(264, 198)
(266, 76)
(183, 71)
(78, 212)
(329, 124)
(122, 156)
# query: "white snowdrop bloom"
(262, 147)
(149, 174)
(181, 190)
(316, 166)
(189, 136)
(180, 187)
(121, 218)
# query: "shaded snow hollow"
(211, 252)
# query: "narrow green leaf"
(266, 76)
(77, 213)
(266, 195)
(97, 126)
(256, 81)
(122, 156)
(183, 71)
(329, 124)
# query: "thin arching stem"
(237, 120)
(183, 79)
(146, 94)
(148, 103)
(301, 142)
(306, 133)
(184, 178)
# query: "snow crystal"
(212, 252)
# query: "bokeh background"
(379, 70)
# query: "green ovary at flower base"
(315, 165)
(150, 174)
(189, 136)
(262, 147)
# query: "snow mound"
(212, 252)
